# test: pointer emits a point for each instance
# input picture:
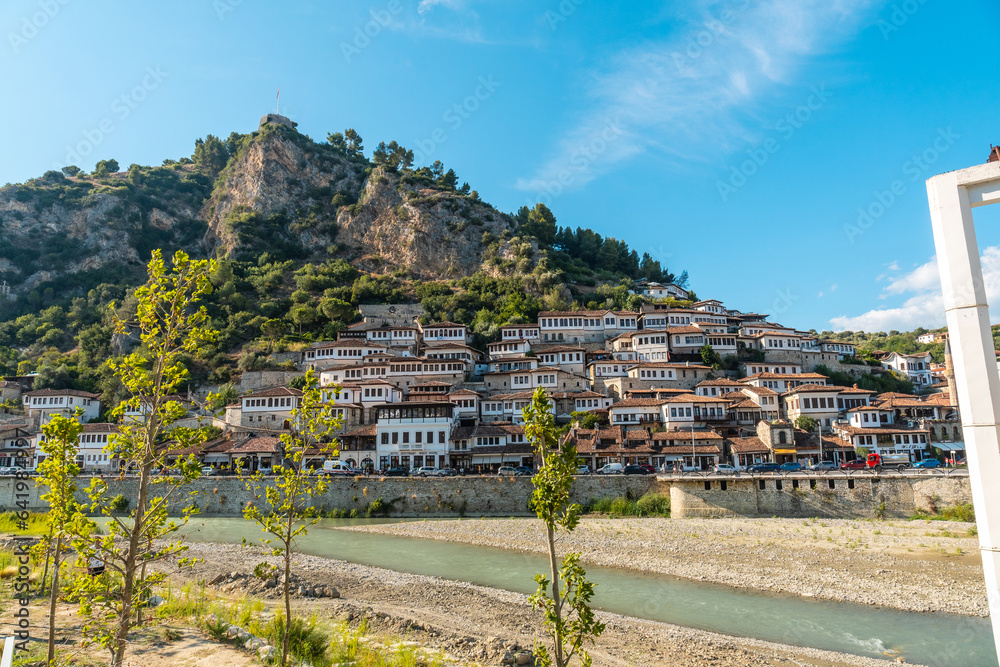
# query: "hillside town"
(630, 388)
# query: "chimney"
(994, 154)
(949, 373)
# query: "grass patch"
(38, 523)
(651, 504)
(964, 512)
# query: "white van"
(611, 469)
(337, 468)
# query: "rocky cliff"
(280, 192)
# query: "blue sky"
(775, 149)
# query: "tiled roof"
(61, 392)
(638, 403)
(686, 435)
(806, 388)
(256, 444)
(275, 391)
(748, 445)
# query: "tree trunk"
(53, 596)
(554, 566)
(48, 556)
(288, 599)
(120, 640)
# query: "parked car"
(207, 471)
(338, 468)
(30, 472)
(764, 467)
(611, 469)
(524, 470)
(265, 470)
(791, 466)
(633, 470)
(426, 471)
(857, 464)
(724, 469)
(679, 467)
(397, 471)
(823, 465)
(447, 472)
(583, 469)
(8, 470)
(507, 471)
(927, 463)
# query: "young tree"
(569, 620)
(283, 507)
(57, 472)
(169, 326)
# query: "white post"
(952, 196)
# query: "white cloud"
(681, 94)
(427, 5)
(925, 306)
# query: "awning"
(786, 451)
(950, 446)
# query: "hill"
(304, 232)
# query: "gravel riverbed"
(924, 566)
(479, 625)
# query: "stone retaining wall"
(450, 496)
(851, 497)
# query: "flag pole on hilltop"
(277, 102)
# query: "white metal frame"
(951, 197)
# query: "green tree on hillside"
(106, 167)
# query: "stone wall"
(855, 496)
(254, 380)
(413, 497)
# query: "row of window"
(285, 402)
(403, 437)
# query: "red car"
(650, 470)
(857, 464)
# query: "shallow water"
(938, 640)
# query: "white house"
(509, 347)
(270, 408)
(40, 405)
(528, 332)
(569, 359)
(916, 367)
(414, 434)
(345, 350)
(585, 326)
(444, 332)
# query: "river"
(937, 640)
